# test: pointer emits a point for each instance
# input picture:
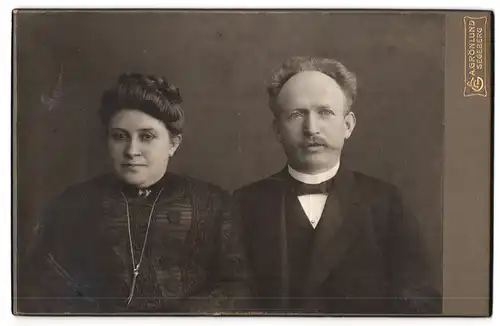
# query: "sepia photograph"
(252, 162)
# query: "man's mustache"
(315, 141)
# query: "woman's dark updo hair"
(152, 95)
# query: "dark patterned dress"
(193, 261)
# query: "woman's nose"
(132, 148)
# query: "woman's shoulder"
(74, 202)
(196, 186)
(87, 189)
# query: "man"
(321, 238)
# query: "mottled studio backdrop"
(220, 61)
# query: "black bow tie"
(300, 188)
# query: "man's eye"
(326, 112)
(295, 115)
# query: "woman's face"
(140, 147)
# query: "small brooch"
(144, 192)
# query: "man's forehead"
(310, 85)
(309, 79)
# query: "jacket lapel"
(339, 226)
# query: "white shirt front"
(314, 204)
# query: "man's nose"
(132, 149)
(311, 125)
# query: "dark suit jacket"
(366, 258)
(194, 261)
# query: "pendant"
(132, 288)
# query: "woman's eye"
(118, 136)
(147, 137)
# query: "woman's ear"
(176, 141)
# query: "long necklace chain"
(138, 265)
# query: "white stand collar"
(314, 178)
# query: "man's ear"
(276, 129)
(176, 141)
(350, 123)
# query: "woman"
(140, 239)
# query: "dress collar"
(132, 191)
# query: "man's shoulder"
(371, 183)
(370, 186)
(262, 186)
(362, 182)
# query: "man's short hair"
(295, 65)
